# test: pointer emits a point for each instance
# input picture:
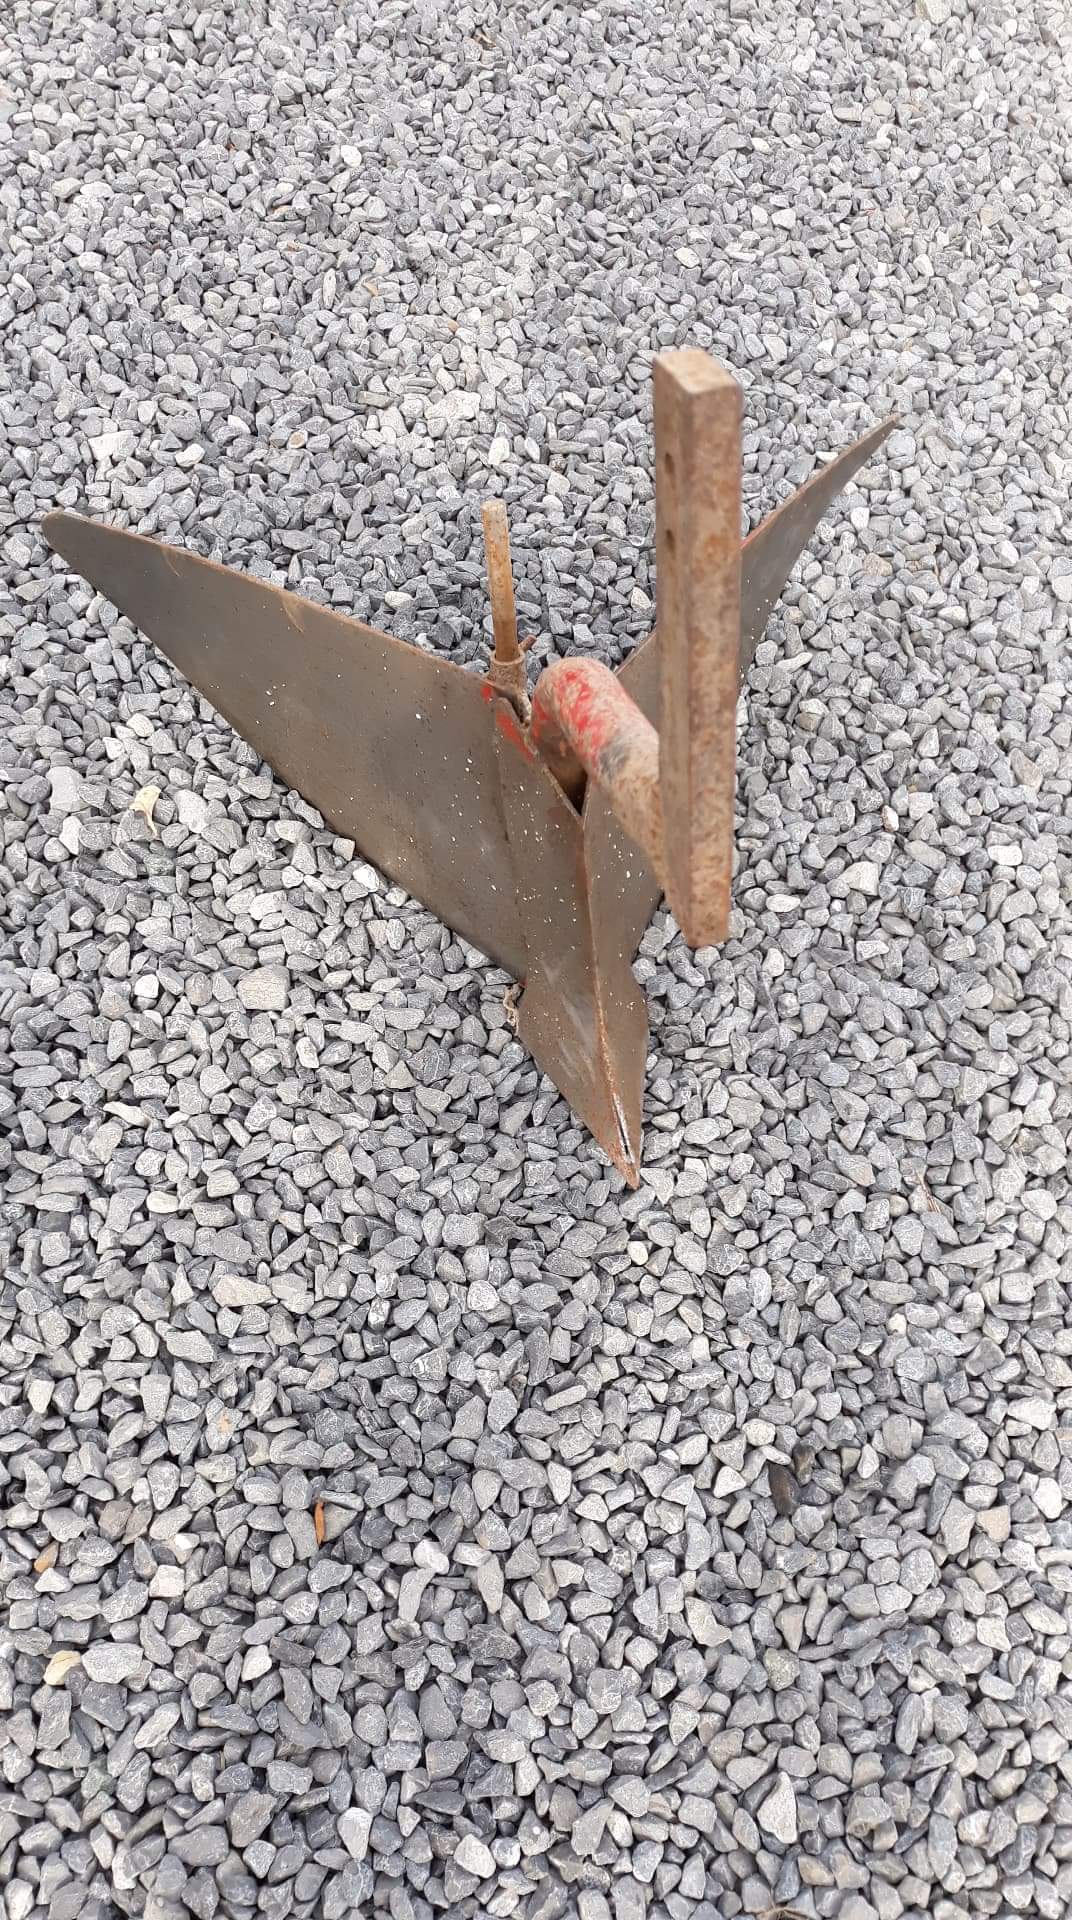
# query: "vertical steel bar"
(698, 583)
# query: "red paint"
(506, 721)
(584, 722)
(583, 700)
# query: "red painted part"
(583, 719)
(585, 702)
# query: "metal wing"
(394, 746)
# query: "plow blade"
(543, 832)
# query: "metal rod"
(506, 672)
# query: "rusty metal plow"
(542, 829)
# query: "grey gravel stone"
(474, 1857)
(777, 1813)
(355, 1826)
(203, 1846)
(266, 989)
(191, 809)
(444, 1757)
(248, 1816)
(106, 1660)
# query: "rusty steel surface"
(698, 589)
(545, 845)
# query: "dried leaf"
(318, 1522)
(60, 1666)
(932, 1204)
(143, 803)
(48, 1558)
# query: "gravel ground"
(696, 1552)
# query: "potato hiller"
(542, 827)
